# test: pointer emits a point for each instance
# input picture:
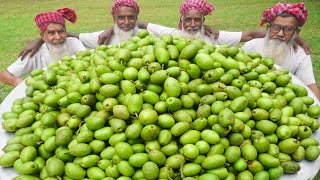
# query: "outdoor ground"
(17, 26)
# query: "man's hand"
(17, 81)
(31, 48)
(211, 32)
(105, 36)
(8, 78)
(299, 41)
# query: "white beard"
(277, 49)
(198, 35)
(58, 51)
(124, 35)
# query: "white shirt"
(90, 40)
(298, 63)
(229, 38)
(41, 58)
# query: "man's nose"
(57, 35)
(193, 23)
(126, 21)
(281, 32)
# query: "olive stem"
(181, 173)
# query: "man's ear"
(114, 19)
(43, 36)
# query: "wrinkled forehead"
(55, 27)
(285, 21)
(193, 14)
(125, 11)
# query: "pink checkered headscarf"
(129, 3)
(44, 19)
(298, 10)
(204, 7)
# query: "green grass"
(18, 27)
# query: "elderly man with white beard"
(52, 27)
(125, 17)
(191, 25)
(284, 24)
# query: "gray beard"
(58, 51)
(198, 35)
(124, 35)
(276, 49)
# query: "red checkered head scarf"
(204, 7)
(298, 10)
(44, 19)
(129, 3)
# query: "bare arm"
(31, 48)
(7, 78)
(105, 36)
(303, 44)
(143, 25)
(314, 88)
(211, 32)
(249, 35)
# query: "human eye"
(187, 19)
(288, 29)
(132, 17)
(120, 17)
(275, 26)
(50, 32)
(197, 19)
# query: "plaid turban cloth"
(204, 7)
(44, 19)
(129, 3)
(298, 10)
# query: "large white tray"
(307, 172)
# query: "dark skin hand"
(31, 48)
(299, 41)
(211, 32)
(105, 36)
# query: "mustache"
(124, 34)
(129, 27)
(193, 28)
(58, 42)
(54, 46)
(58, 51)
(278, 39)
